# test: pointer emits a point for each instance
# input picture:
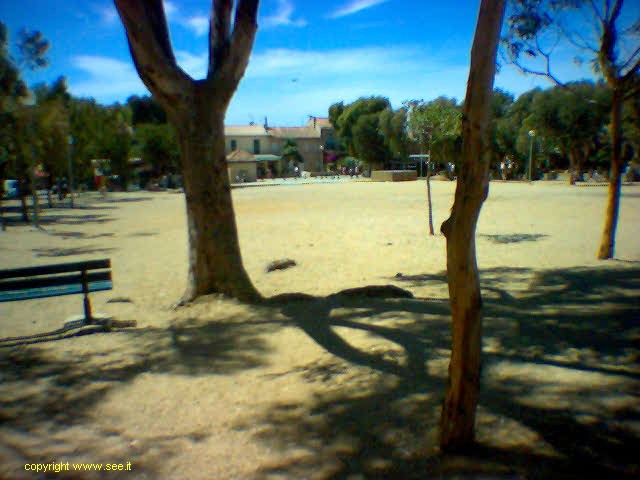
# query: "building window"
(256, 146)
(234, 145)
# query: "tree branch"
(232, 69)
(219, 33)
(615, 12)
(596, 11)
(632, 91)
(633, 69)
(547, 73)
(147, 32)
(570, 36)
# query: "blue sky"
(307, 55)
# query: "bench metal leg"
(87, 304)
(87, 309)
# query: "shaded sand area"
(341, 386)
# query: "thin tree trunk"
(580, 159)
(457, 423)
(36, 208)
(25, 208)
(607, 243)
(215, 263)
(35, 200)
(429, 200)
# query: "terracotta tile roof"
(240, 156)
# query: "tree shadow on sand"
(560, 387)
(49, 394)
(318, 317)
(47, 219)
(514, 237)
(67, 252)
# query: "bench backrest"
(55, 280)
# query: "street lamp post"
(532, 135)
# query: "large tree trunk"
(215, 262)
(457, 423)
(197, 109)
(607, 243)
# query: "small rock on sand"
(281, 264)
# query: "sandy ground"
(341, 387)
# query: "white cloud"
(105, 79)
(373, 60)
(292, 63)
(194, 65)
(199, 24)
(283, 17)
(170, 9)
(355, 6)
(107, 13)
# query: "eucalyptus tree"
(608, 36)
(457, 423)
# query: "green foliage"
(335, 111)
(574, 118)
(157, 144)
(100, 132)
(393, 126)
(371, 130)
(631, 129)
(367, 140)
(11, 86)
(348, 117)
(290, 151)
(437, 124)
(501, 104)
(146, 110)
(18, 132)
(52, 127)
(116, 143)
(33, 48)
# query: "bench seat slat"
(43, 292)
(53, 281)
(104, 263)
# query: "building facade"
(311, 140)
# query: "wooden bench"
(56, 280)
